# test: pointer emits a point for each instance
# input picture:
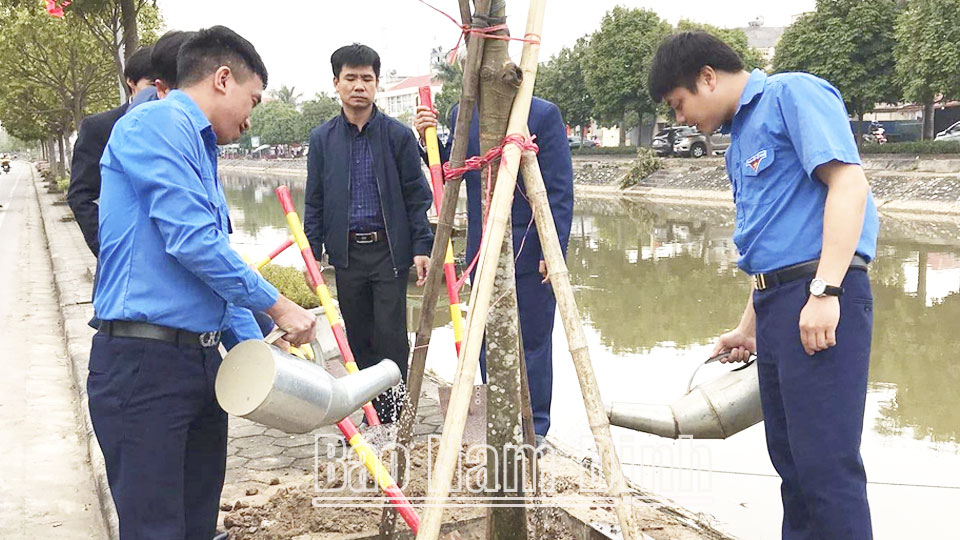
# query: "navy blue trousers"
(536, 306)
(163, 435)
(813, 410)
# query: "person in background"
(366, 207)
(84, 189)
(536, 304)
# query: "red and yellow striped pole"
(436, 179)
(280, 249)
(333, 315)
(305, 351)
(366, 454)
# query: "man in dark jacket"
(92, 138)
(535, 301)
(366, 207)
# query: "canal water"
(656, 284)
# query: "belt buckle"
(209, 339)
(759, 282)
(365, 238)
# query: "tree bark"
(131, 35)
(623, 130)
(62, 166)
(499, 81)
(928, 113)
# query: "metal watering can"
(713, 410)
(262, 383)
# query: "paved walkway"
(45, 474)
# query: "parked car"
(696, 145)
(575, 142)
(662, 143)
(952, 133)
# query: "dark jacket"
(546, 123)
(404, 193)
(85, 172)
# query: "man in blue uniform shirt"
(168, 284)
(806, 228)
(535, 301)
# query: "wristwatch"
(819, 288)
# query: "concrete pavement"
(45, 474)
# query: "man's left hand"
(421, 262)
(818, 323)
(543, 272)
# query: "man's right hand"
(425, 118)
(740, 342)
(297, 322)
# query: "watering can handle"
(721, 356)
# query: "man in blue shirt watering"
(168, 285)
(806, 229)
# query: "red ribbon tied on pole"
(55, 7)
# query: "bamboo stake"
(563, 290)
(480, 295)
(431, 288)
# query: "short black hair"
(218, 46)
(680, 58)
(140, 66)
(164, 56)
(356, 55)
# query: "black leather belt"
(368, 237)
(161, 333)
(797, 271)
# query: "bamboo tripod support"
(570, 315)
(500, 209)
(431, 289)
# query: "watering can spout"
(269, 386)
(715, 410)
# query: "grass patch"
(290, 282)
(63, 183)
(913, 147)
(604, 150)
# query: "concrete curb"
(73, 268)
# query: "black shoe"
(221, 536)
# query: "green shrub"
(913, 147)
(646, 164)
(63, 183)
(604, 150)
(289, 281)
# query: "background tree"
(451, 75)
(318, 110)
(275, 122)
(561, 81)
(618, 62)
(928, 54)
(734, 37)
(848, 43)
(287, 94)
(55, 72)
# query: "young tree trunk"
(928, 112)
(131, 35)
(499, 81)
(623, 130)
(62, 166)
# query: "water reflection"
(650, 275)
(653, 276)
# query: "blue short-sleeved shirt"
(785, 126)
